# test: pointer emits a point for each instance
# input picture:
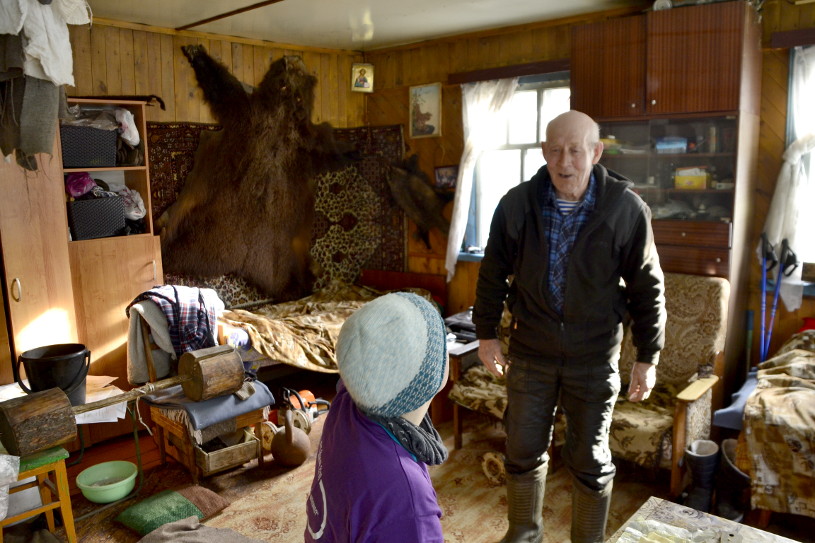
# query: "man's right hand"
(490, 354)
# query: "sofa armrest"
(696, 389)
(687, 424)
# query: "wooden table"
(660, 516)
(457, 354)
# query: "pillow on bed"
(232, 290)
(171, 505)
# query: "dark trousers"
(586, 391)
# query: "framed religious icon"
(446, 177)
(425, 111)
(362, 77)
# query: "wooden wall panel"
(781, 15)
(772, 143)
(399, 68)
(122, 59)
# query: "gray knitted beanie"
(392, 354)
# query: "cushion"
(642, 432)
(189, 530)
(170, 506)
(478, 390)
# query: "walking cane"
(768, 262)
(787, 264)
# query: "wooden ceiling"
(344, 24)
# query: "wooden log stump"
(36, 422)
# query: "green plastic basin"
(108, 481)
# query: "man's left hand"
(643, 379)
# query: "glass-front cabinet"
(685, 170)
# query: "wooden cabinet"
(681, 60)
(692, 74)
(694, 57)
(685, 169)
(39, 301)
(608, 68)
(109, 272)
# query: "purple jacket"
(367, 487)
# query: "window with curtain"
(512, 152)
(802, 129)
(790, 216)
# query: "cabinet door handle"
(633, 105)
(154, 271)
(653, 102)
(17, 290)
(683, 234)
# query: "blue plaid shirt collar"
(586, 205)
(562, 232)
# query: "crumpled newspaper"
(654, 531)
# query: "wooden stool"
(174, 438)
(44, 465)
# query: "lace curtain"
(482, 109)
(790, 216)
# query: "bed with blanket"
(300, 333)
(779, 430)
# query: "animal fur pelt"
(247, 206)
(411, 189)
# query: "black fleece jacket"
(613, 270)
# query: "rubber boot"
(589, 512)
(732, 485)
(702, 457)
(525, 503)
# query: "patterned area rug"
(269, 503)
(357, 223)
(171, 149)
(378, 147)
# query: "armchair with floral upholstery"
(655, 432)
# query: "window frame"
(470, 250)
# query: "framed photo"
(425, 111)
(362, 77)
(446, 177)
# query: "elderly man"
(571, 253)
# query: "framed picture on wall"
(362, 77)
(446, 177)
(425, 111)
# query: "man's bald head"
(571, 148)
(573, 121)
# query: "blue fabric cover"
(731, 417)
(209, 412)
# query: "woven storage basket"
(87, 147)
(96, 218)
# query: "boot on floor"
(702, 457)
(525, 503)
(589, 512)
(732, 485)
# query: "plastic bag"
(9, 472)
(103, 119)
(134, 205)
(79, 183)
(127, 127)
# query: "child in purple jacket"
(371, 481)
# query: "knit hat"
(392, 354)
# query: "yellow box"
(691, 182)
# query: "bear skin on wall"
(247, 206)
